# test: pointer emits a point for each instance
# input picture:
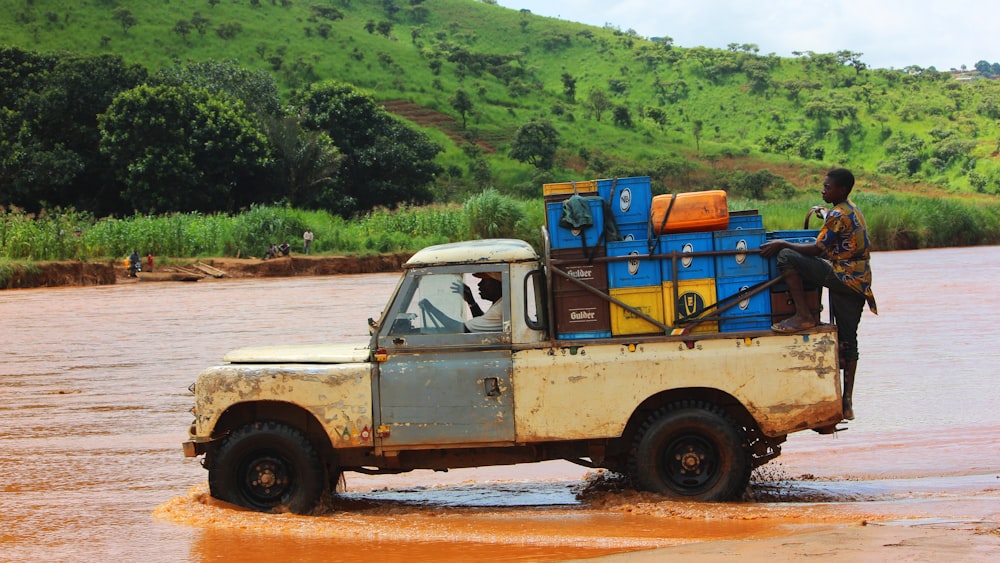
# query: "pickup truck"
(682, 414)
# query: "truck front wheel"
(692, 451)
(267, 466)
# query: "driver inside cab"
(490, 289)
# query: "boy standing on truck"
(838, 260)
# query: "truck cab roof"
(485, 251)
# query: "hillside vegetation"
(513, 100)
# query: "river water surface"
(94, 401)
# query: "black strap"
(654, 234)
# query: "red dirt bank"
(75, 273)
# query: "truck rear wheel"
(692, 451)
(266, 466)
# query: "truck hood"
(301, 353)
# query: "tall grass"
(898, 222)
(894, 222)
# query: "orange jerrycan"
(689, 212)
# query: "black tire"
(269, 467)
(692, 451)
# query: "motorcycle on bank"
(133, 265)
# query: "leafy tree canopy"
(384, 162)
(255, 88)
(536, 144)
(180, 148)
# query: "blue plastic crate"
(802, 236)
(634, 231)
(753, 313)
(741, 324)
(738, 221)
(631, 199)
(740, 264)
(583, 335)
(571, 238)
(638, 272)
(688, 268)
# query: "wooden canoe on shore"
(168, 276)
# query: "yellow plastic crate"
(692, 298)
(648, 299)
(561, 190)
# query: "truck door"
(438, 384)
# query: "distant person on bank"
(307, 240)
(840, 261)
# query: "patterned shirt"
(844, 239)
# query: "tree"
(255, 88)
(598, 102)
(49, 139)
(384, 28)
(462, 103)
(183, 28)
(852, 59)
(200, 23)
(125, 18)
(658, 116)
(569, 86)
(180, 148)
(536, 143)
(384, 162)
(306, 162)
(696, 130)
(622, 117)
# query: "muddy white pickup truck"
(682, 414)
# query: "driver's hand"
(462, 289)
(819, 211)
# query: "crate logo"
(745, 303)
(581, 273)
(633, 265)
(741, 246)
(686, 261)
(625, 200)
(644, 309)
(690, 304)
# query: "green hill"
(622, 104)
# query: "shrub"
(491, 215)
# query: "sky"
(889, 33)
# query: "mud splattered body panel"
(786, 382)
(339, 396)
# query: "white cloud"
(890, 33)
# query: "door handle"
(492, 385)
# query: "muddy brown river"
(94, 406)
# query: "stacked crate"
(738, 271)
(692, 273)
(688, 281)
(636, 281)
(579, 313)
(630, 200)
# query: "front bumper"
(193, 448)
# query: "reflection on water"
(93, 407)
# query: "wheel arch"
(290, 414)
(732, 407)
